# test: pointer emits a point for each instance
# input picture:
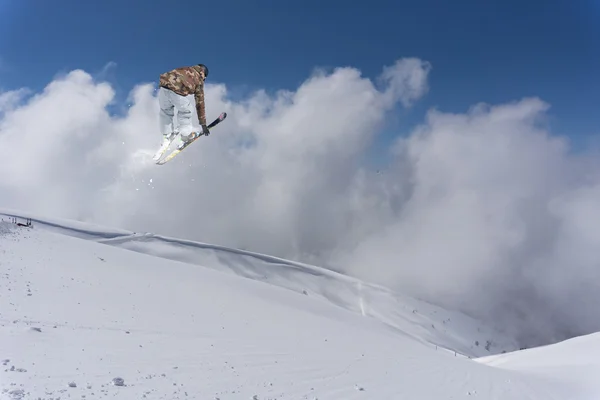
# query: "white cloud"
(495, 218)
(482, 211)
(407, 80)
(9, 100)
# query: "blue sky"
(480, 51)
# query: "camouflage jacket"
(185, 81)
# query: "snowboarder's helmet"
(205, 69)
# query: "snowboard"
(175, 152)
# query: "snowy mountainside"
(575, 360)
(83, 319)
(417, 319)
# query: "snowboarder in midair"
(174, 87)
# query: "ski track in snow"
(91, 319)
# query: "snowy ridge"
(574, 361)
(415, 318)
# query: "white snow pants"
(170, 102)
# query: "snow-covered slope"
(575, 361)
(76, 310)
(420, 320)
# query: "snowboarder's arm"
(200, 108)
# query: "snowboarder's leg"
(185, 109)
(166, 113)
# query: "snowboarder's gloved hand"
(205, 130)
